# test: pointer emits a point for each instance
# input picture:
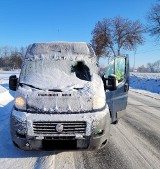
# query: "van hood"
(69, 99)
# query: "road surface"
(134, 143)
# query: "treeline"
(11, 57)
(150, 68)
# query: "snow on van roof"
(59, 49)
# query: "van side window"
(117, 67)
(110, 69)
(81, 70)
(120, 69)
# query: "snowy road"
(134, 142)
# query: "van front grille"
(50, 128)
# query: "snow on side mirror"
(13, 82)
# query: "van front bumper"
(27, 136)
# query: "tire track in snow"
(150, 136)
(78, 160)
(60, 160)
(132, 147)
(107, 158)
(65, 160)
(45, 162)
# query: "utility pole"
(134, 60)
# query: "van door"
(117, 99)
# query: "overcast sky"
(28, 21)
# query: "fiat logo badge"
(59, 128)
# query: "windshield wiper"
(54, 90)
(21, 84)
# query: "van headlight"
(20, 103)
(99, 102)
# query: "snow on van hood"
(70, 100)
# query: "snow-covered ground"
(146, 83)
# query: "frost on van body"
(52, 66)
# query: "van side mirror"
(110, 82)
(13, 82)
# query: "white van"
(61, 101)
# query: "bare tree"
(11, 57)
(5, 51)
(150, 67)
(142, 69)
(109, 36)
(23, 51)
(154, 67)
(153, 18)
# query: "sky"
(28, 21)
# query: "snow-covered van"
(61, 102)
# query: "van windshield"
(55, 74)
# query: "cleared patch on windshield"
(82, 71)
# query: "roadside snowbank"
(145, 81)
(5, 96)
(146, 93)
(147, 84)
(2, 89)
